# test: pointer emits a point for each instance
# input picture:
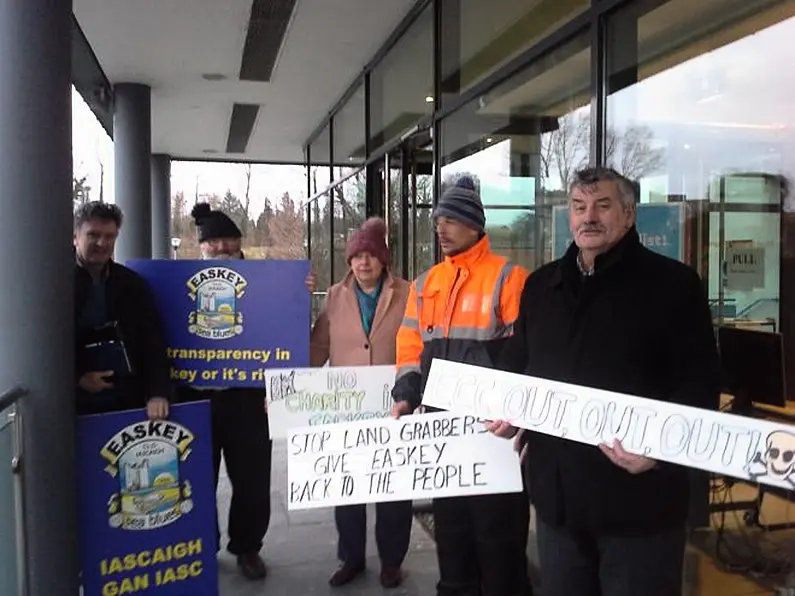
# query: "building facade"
(687, 98)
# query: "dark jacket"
(639, 325)
(129, 301)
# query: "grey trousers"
(588, 565)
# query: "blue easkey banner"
(146, 499)
(660, 227)
(228, 321)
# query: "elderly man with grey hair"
(612, 315)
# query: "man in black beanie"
(463, 309)
(239, 423)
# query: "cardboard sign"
(227, 322)
(314, 396)
(147, 503)
(416, 457)
(750, 448)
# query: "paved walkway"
(300, 551)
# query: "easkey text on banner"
(328, 395)
(228, 322)
(147, 503)
(416, 457)
(736, 446)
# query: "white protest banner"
(416, 457)
(737, 446)
(314, 396)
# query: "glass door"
(403, 196)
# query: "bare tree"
(101, 182)
(81, 192)
(566, 149)
(246, 203)
(287, 228)
(633, 153)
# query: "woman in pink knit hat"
(358, 327)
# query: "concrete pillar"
(161, 207)
(37, 266)
(132, 145)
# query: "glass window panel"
(512, 234)
(523, 141)
(743, 296)
(320, 166)
(349, 214)
(394, 211)
(349, 137)
(319, 212)
(699, 115)
(479, 36)
(8, 544)
(422, 238)
(401, 85)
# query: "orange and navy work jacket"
(462, 309)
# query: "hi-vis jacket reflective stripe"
(462, 310)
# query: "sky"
(92, 151)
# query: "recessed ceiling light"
(489, 139)
(213, 76)
(429, 99)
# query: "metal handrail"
(11, 399)
(12, 396)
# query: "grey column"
(37, 267)
(132, 145)
(161, 207)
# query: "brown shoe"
(252, 566)
(391, 577)
(346, 573)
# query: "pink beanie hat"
(370, 237)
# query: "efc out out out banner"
(228, 321)
(737, 446)
(146, 500)
(314, 396)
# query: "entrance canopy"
(232, 80)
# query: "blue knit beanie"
(461, 202)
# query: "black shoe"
(391, 577)
(346, 573)
(252, 566)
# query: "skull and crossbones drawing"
(778, 460)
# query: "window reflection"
(703, 119)
(319, 212)
(522, 142)
(349, 213)
(349, 134)
(479, 36)
(320, 168)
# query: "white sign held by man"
(420, 456)
(316, 396)
(737, 446)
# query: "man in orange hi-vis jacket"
(463, 309)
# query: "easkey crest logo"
(216, 293)
(146, 459)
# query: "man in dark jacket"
(239, 422)
(120, 344)
(612, 315)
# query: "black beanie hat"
(213, 224)
(461, 202)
